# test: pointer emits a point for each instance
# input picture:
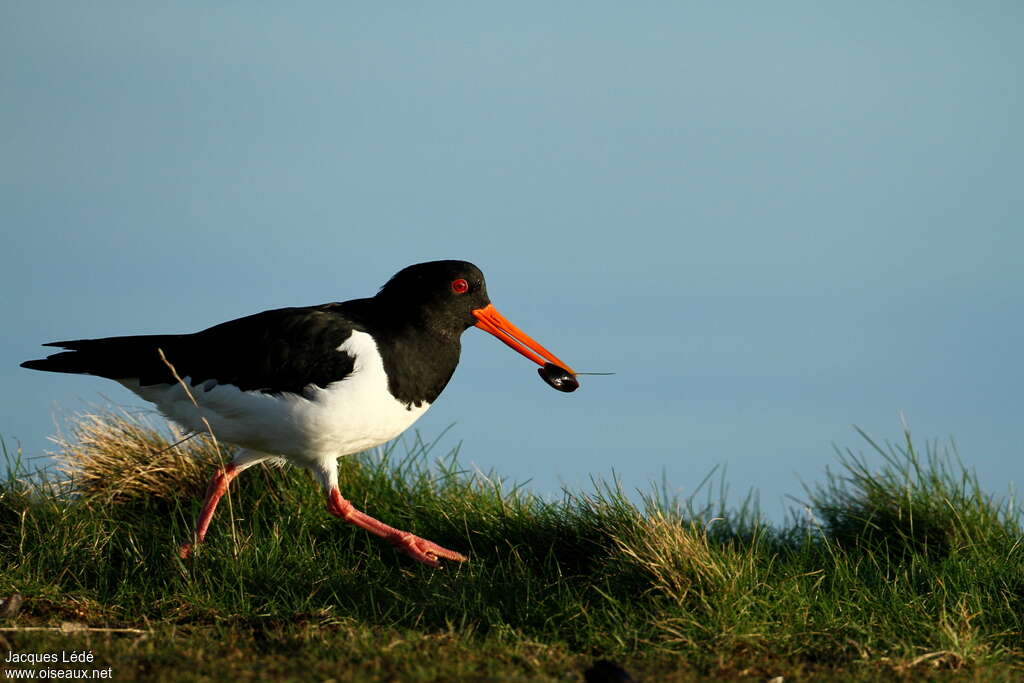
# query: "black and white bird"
(308, 385)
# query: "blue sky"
(772, 221)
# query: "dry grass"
(115, 457)
(677, 557)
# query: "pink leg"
(217, 488)
(417, 548)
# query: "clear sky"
(771, 220)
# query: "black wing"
(275, 351)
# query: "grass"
(904, 571)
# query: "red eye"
(460, 286)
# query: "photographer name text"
(62, 657)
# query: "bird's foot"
(422, 550)
(185, 551)
(419, 549)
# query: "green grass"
(902, 571)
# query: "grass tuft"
(116, 457)
(915, 505)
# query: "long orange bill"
(489, 320)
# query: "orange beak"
(489, 320)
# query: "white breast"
(347, 416)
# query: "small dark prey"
(559, 378)
(308, 385)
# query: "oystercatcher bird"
(310, 384)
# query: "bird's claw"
(422, 550)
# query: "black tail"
(113, 357)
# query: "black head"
(444, 294)
(451, 296)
